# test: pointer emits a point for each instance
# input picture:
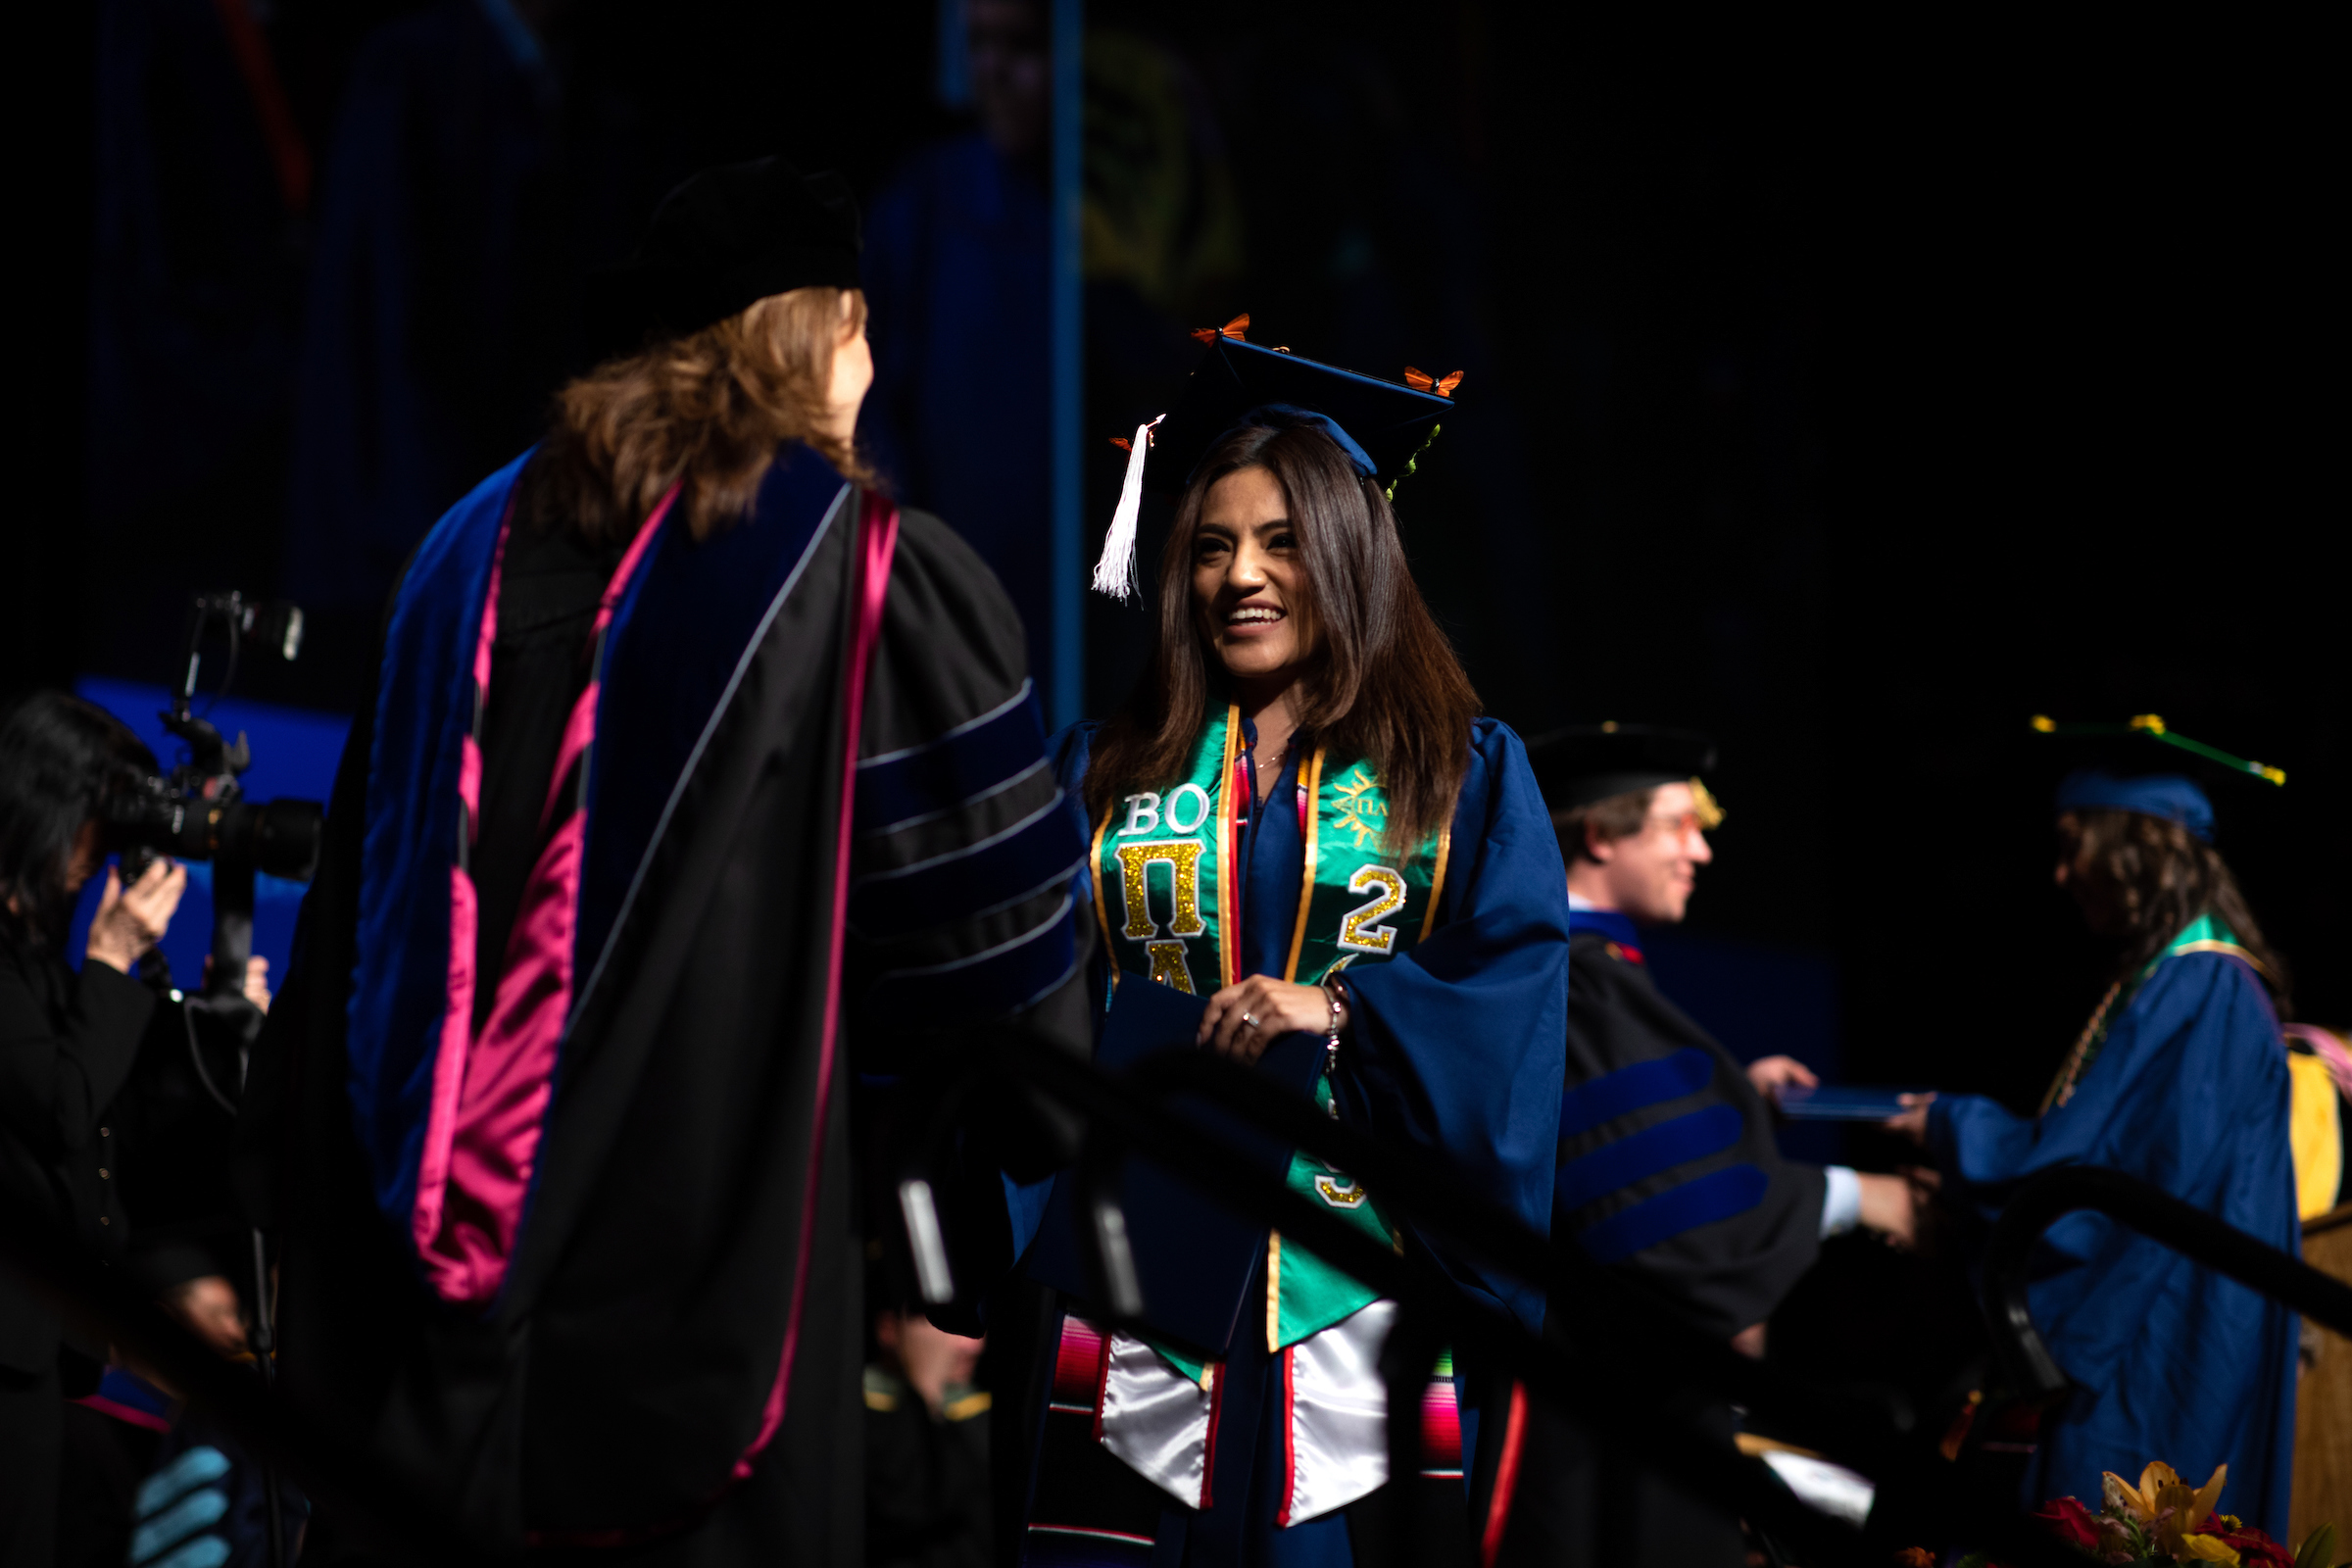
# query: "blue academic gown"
(2174, 1363)
(1453, 1046)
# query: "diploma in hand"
(1843, 1103)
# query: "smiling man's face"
(1649, 873)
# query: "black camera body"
(198, 812)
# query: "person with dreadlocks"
(2181, 1079)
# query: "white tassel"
(1114, 573)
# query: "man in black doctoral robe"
(1669, 1170)
(550, 1122)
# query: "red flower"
(2074, 1524)
(2254, 1549)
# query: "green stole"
(1169, 854)
(2204, 934)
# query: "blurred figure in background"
(68, 1041)
(2179, 1078)
(957, 270)
(1669, 1168)
(201, 183)
(440, 311)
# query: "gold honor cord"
(2229, 948)
(1229, 899)
(1313, 785)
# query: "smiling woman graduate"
(2179, 1078)
(1297, 816)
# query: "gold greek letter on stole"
(1183, 858)
(1168, 968)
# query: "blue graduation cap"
(2132, 775)
(1381, 425)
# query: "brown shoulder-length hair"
(705, 412)
(2162, 876)
(1381, 682)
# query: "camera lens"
(286, 837)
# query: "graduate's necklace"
(1268, 764)
(2078, 1059)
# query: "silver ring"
(1252, 1022)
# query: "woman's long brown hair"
(2162, 876)
(1383, 682)
(705, 412)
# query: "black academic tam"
(1588, 763)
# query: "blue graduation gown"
(2174, 1362)
(1454, 1047)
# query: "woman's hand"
(131, 920)
(1912, 1123)
(1243, 1019)
(1771, 1076)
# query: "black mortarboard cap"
(1381, 425)
(1588, 762)
(725, 239)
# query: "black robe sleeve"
(965, 858)
(1669, 1169)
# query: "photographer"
(67, 1044)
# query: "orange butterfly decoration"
(1232, 329)
(1423, 381)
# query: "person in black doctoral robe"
(1669, 1171)
(699, 782)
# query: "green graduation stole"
(2204, 934)
(1170, 912)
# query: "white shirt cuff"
(1841, 1204)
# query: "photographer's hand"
(131, 920)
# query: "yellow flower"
(2124, 1499)
(2180, 1510)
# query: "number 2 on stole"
(1357, 932)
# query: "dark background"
(1853, 393)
